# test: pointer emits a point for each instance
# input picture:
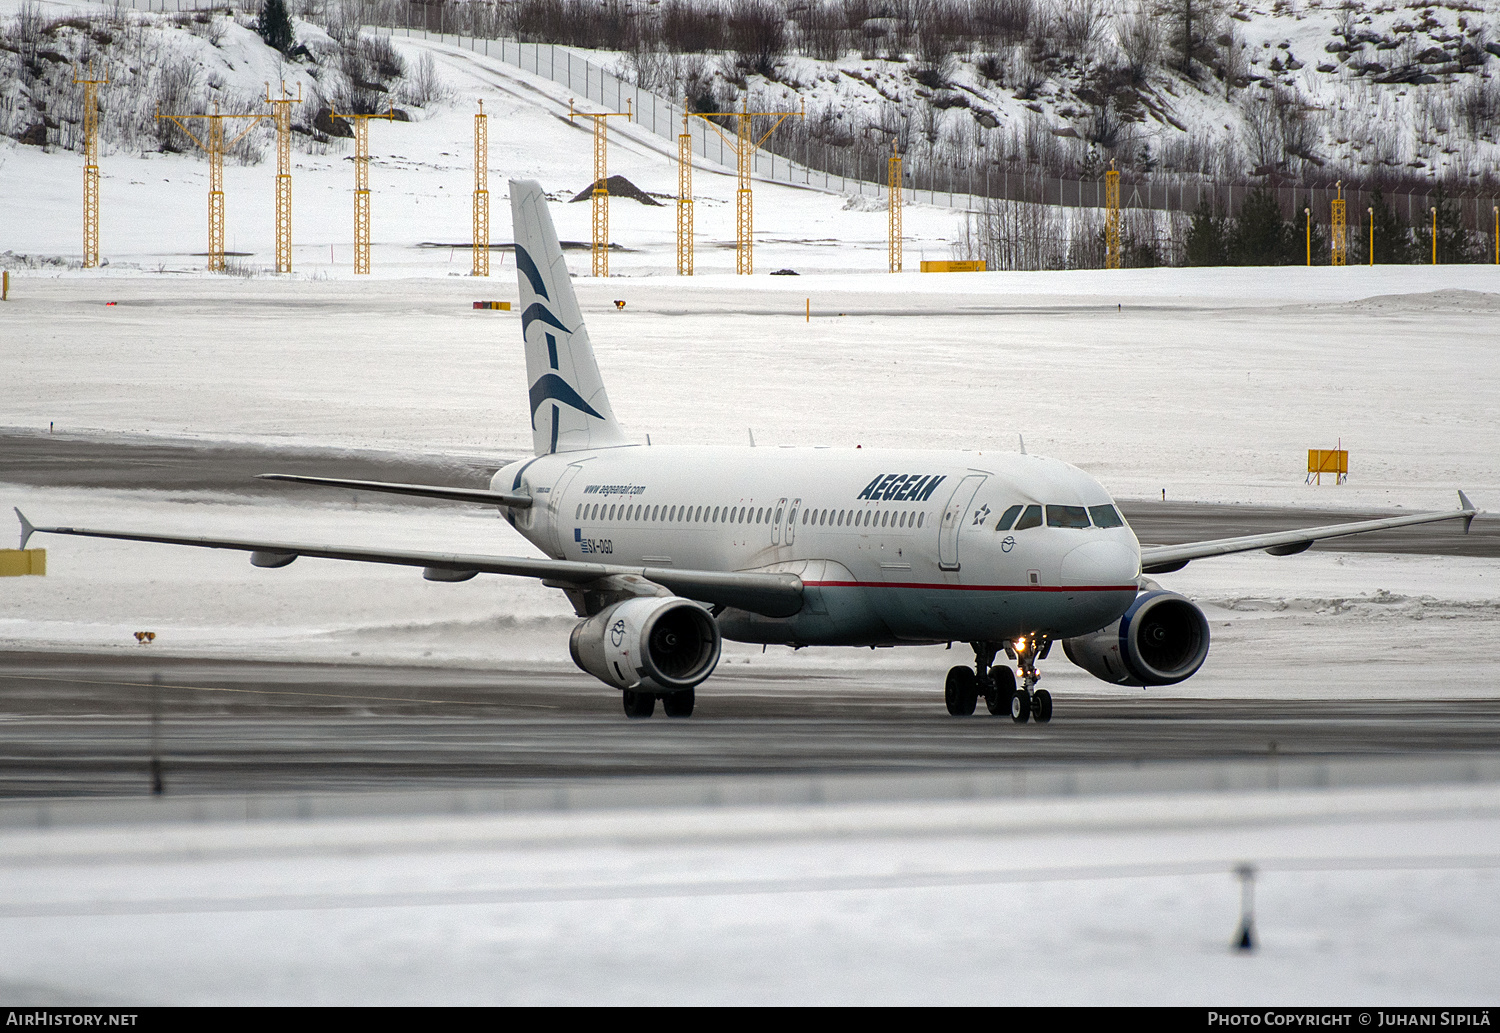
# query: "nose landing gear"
(1029, 701)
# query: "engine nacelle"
(653, 644)
(1161, 640)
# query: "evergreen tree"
(1260, 236)
(1453, 244)
(1208, 237)
(1392, 235)
(275, 26)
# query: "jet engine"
(1161, 640)
(652, 644)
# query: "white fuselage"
(892, 546)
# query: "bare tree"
(1139, 35)
(757, 35)
(1080, 24)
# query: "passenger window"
(1032, 517)
(1067, 516)
(578, 512)
(1008, 517)
(921, 517)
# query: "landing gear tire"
(639, 704)
(961, 691)
(1004, 681)
(1041, 706)
(1020, 707)
(680, 704)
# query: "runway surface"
(141, 463)
(83, 725)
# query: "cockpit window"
(1067, 516)
(1031, 518)
(1106, 516)
(1008, 517)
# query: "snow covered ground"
(1362, 897)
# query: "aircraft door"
(776, 522)
(953, 520)
(791, 522)
(555, 500)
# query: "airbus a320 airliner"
(665, 551)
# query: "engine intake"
(650, 644)
(1161, 640)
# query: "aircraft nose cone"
(1100, 563)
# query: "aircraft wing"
(773, 595)
(1163, 559)
(430, 491)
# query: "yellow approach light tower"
(1112, 218)
(1340, 229)
(216, 144)
(362, 187)
(281, 108)
(685, 199)
(90, 165)
(481, 193)
(745, 145)
(893, 201)
(599, 200)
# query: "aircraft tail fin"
(569, 406)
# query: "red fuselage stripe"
(972, 588)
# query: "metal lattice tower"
(481, 193)
(90, 165)
(685, 200)
(281, 108)
(599, 200)
(745, 145)
(894, 199)
(1340, 229)
(1112, 218)
(362, 187)
(216, 144)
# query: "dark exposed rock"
(619, 186)
(36, 136)
(325, 123)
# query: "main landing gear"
(996, 685)
(643, 704)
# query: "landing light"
(1021, 643)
